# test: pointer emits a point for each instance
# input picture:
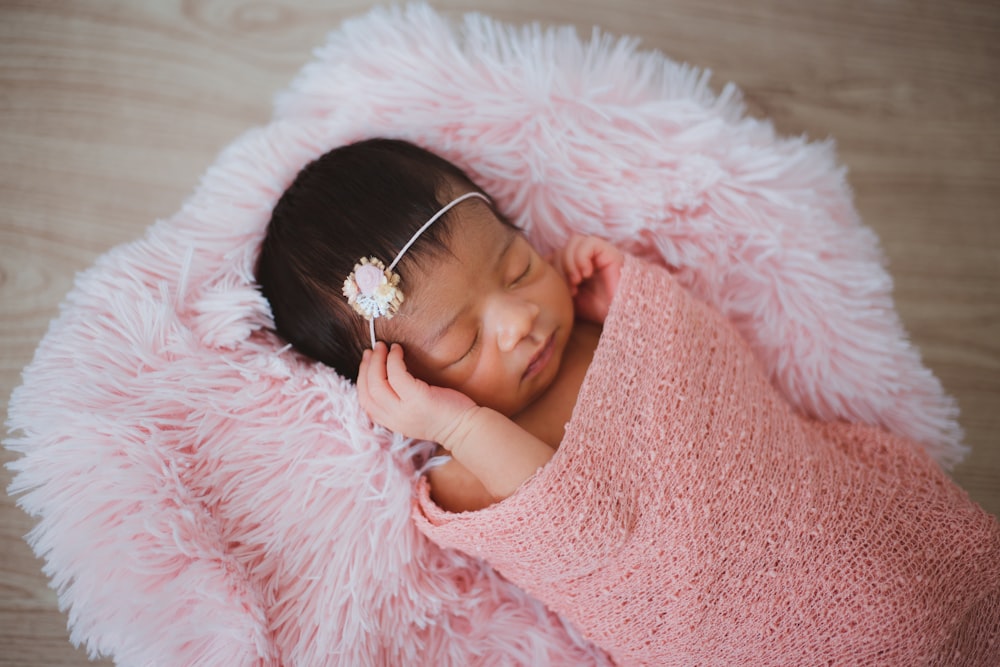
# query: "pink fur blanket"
(690, 516)
(188, 472)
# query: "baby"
(627, 460)
(499, 337)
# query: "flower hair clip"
(372, 288)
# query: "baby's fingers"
(398, 376)
(411, 390)
(374, 389)
(574, 264)
(586, 251)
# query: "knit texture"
(690, 516)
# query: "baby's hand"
(592, 267)
(402, 403)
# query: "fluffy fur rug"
(205, 496)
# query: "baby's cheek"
(432, 373)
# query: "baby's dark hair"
(359, 200)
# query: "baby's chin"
(510, 404)
(513, 402)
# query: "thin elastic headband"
(372, 289)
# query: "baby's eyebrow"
(439, 332)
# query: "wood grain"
(110, 111)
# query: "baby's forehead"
(446, 279)
(472, 246)
(476, 233)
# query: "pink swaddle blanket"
(690, 516)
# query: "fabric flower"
(373, 290)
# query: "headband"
(372, 289)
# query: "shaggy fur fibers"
(205, 496)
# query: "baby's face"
(491, 318)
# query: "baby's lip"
(541, 358)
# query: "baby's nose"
(515, 320)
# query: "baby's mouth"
(541, 358)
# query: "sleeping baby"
(611, 445)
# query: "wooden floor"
(110, 111)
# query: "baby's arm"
(491, 446)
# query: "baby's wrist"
(459, 429)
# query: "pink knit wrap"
(690, 516)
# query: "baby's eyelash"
(475, 342)
(524, 274)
